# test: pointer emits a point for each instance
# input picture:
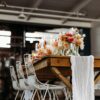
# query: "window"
(31, 37)
(36, 37)
(5, 39)
(39, 36)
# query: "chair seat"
(51, 87)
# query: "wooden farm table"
(59, 67)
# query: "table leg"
(97, 79)
(61, 77)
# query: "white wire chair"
(23, 81)
(15, 82)
(31, 85)
(18, 84)
(33, 82)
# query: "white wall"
(95, 39)
(95, 47)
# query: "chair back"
(15, 82)
(21, 76)
(31, 74)
(26, 81)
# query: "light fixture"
(22, 15)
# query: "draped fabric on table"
(83, 77)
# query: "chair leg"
(56, 95)
(67, 94)
(22, 97)
(34, 94)
(16, 95)
(47, 91)
(39, 97)
(45, 94)
(49, 95)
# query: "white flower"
(84, 35)
(72, 31)
(82, 45)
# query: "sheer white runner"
(83, 77)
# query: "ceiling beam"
(46, 21)
(17, 8)
(51, 16)
(36, 5)
(77, 8)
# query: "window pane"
(35, 34)
(5, 33)
(39, 36)
(32, 39)
(5, 39)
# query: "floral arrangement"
(43, 50)
(65, 45)
(69, 43)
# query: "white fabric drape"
(83, 77)
(28, 95)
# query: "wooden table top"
(60, 61)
